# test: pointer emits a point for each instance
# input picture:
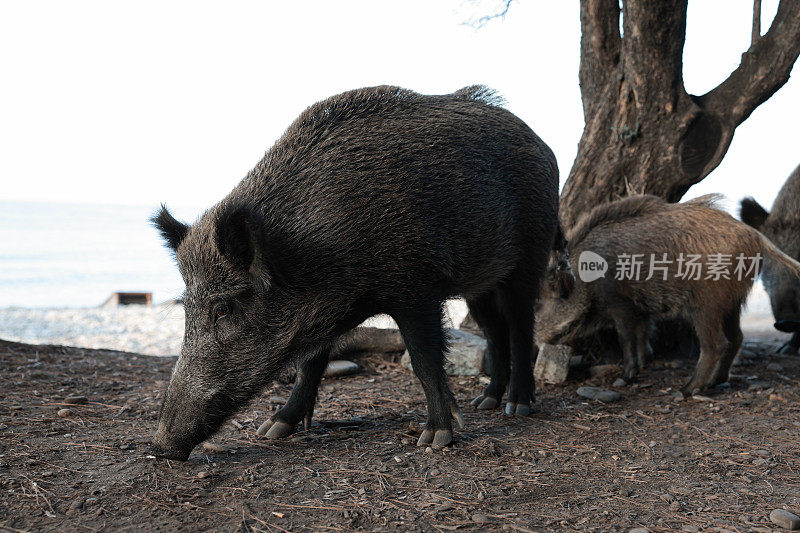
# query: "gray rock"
(619, 382)
(464, 354)
(340, 368)
(599, 394)
(775, 367)
(785, 519)
(552, 364)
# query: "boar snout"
(788, 326)
(161, 447)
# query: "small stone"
(619, 382)
(639, 530)
(64, 413)
(775, 367)
(599, 394)
(428, 450)
(552, 364)
(210, 447)
(598, 371)
(701, 398)
(362, 491)
(75, 506)
(678, 397)
(341, 368)
(785, 519)
(481, 496)
(761, 453)
(690, 528)
(398, 459)
(675, 506)
(203, 474)
(76, 400)
(480, 518)
(434, 472)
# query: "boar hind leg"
(487, 314)
(424, 338)
(733, 333)
(714, 347)
(520, 320)
(300, 405)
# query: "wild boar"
(669, 242)
(782, 227)
(378, 200)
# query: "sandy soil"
(650, 460)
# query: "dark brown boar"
(379, 200)
(782, 227)
(648, 225)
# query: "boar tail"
(775, 253)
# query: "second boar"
(667, 239)
(782, 227)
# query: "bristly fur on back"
(710, 200)
(632, 206)
(481, 93)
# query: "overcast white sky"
(144, 102)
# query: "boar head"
(564, 312)
(781, 284)
(236, 335)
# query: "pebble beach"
(158, 329)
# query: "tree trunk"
(644, 133)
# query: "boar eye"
(221, 310)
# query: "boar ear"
(752, 213)
(235, 234)
(564, 278)
(172, 230)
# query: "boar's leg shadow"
(486, 312)
(424, 338)
(300, 405)
(791, 347)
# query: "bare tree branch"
(600, 48)
(764, 69)
(482, 21)
(756, 34)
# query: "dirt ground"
(650, 460)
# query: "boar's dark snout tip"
(177, 455)
(788, 326)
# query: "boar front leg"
(424, 337)
(632, 329)
(300, 405)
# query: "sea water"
(74, 255)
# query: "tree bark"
(644, 133)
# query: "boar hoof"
(485, 403)
(275, 429)
(436, 439)
(788, 349)
(518, 409)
